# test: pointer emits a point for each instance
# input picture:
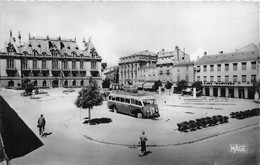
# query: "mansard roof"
(145, 52)
(247, 53)
(47, 45)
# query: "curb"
(153, 145)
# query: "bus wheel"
(115, 109)
(139, 115)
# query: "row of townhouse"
(223, 74)
(48, 62)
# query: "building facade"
(129, 66)
(112, 73)
(49, 62)
(229, 74)
(147, 76)
(174, 66)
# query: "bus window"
(109, 97)
(140, 103)
(113, 98)
(148, 101)
(127, 100)
(122, 99)
(117, 98)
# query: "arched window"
(81, 82)
(66, 83)
(74, 83)
(35, 83)
(44, 83)
(11, 83)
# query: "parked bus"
(140, 106)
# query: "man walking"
(41, 124)
(143, 140)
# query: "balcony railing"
(35, 69)
(26, 69)
(45, 69)
(55, 69)
(10, 68)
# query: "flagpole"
(6, 157)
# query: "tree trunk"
(256, 96)
(89, 116)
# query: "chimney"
(221, 52)
(177, 50)
(205, 53)
(47, 37)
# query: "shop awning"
(148, 85)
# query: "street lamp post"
(21, 67)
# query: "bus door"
(127, 106)
(123, 107)
(135, 104)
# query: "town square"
(128, 84)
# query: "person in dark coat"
(41, 124)
(143, 140)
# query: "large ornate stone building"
(174, 66)
(229, 74)
(130, 65)
(48, 62)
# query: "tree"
(25, 81)
(29, 88)
(168, 85)
(256, 87)
(156, 85)
(197, 85)
(106, 83)
(89, 97)
(183, 84)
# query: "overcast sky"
(123, 28)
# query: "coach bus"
(140, 106)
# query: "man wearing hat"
(143, 140)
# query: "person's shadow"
(147, 153)
(45, 134)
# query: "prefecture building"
(174, 66)
(48, 62)
(130, 65)
(229, 74)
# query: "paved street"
(68, 143)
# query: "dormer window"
(73, 54)
(44, 54)
(39, 45)
(35, 53)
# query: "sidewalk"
(125, 130)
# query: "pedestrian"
(143, 140)
(41, 124)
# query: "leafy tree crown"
(89, 96)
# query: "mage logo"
(238, 148)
